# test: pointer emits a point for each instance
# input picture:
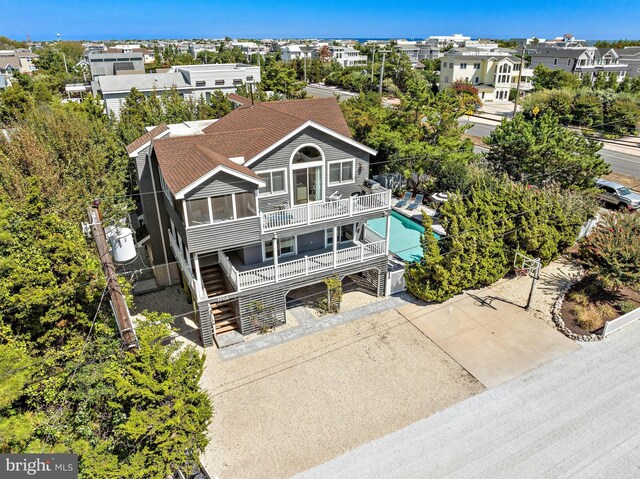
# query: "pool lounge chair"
(417, 202)
(405, 200)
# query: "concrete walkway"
(578, 416)
(494, 340)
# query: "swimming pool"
(404, 238)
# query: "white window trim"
(210, 205)
(293, 253)
(286, 182)
(311, 164)
(338, 183)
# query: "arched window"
(307, 154)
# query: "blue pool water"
(404, 238)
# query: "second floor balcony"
(319, 212)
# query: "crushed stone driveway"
(285, 409)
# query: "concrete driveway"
(494, 340)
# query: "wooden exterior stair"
(223, 312)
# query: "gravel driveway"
(288, 408)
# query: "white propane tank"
(123, 247)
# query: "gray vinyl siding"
(251, 254)
(310, 241)
(271, 299)
(205, 323)
(157, 221)
(333, 149)
(217, 236)
(221, 184)
(176, 217)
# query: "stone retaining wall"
(556, 314)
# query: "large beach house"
(270, 198)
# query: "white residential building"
(443, 41)
(494, 73)
(291, 52)
(250, 49)
(191, 81)
(347, 56)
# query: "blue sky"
(74, 19)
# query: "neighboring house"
(347, 56)
(191, 81)
(148, 56)
(115, 63)
(631, 57)
(418, 51)
(580, 60)
(494, 73)
(4, 82)
(291, 52)
(264, 201)
(250, 48)
(444, 41)
(21, 61)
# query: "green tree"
(586, 109)
(612, 252)
(220, 105)
(542, 152)
(546, 79)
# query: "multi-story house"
(12, 61)
(580, 60)
(270, 198)
(417, 51)
(115, 62)
(444, 41)
(347, 56)
(191, 81)
(494, 73)
(631, 57)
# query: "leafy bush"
(627, 306)
(612, 252)
(578, 297)
(484, 230)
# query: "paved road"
(620, 162)
(578, 416)
(321, 91)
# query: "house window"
(345, 234)
(276, 183)
(477, 80)
(463, 66)
(569, 62)
(555, 61)
(222, 208)
(237, 81)
(341, 172)
(444, 65)
(200, 83)
(476, 66)
(245, 205)
(286, 246)
(219, 82)
(198, 212)
(307, 154)
(249, 78)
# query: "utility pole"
(373, 63)
(384, 54)
(118, 304)
(515, 102)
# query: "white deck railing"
(243, 280)
(196, 286)
(319, 212)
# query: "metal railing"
(243, 280)
(318, 212)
